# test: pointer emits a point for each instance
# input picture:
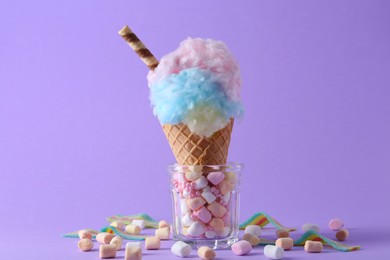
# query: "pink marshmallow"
(336, 224)
(216, 177)
(203, 214)
(224, 187)
(242, 247)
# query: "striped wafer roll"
(141, 50)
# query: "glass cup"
(205, 203)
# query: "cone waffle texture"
(191, 149)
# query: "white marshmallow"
(226, 197)
(253, 229)
(139, 222)
(225, 232)
(210, 234)
(308, 226)
(181, 249)
(195, 229)
(186, 193)
(208, 196)
(200, 183)
(187, 220)
(133, 244)
(183, 206)
(273, 252)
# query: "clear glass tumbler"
(205, 203)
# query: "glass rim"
(232, 166)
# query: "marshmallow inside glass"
(195, 94)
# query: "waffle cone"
(192, 149)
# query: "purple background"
(79, 143)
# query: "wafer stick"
(135, 43)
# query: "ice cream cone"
(191, 149)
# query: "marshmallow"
(118, 224)
(252, 239)
(313, 246)
(217, 209)
(208, 196)
(231, 177)
(181, 249)
(210, 234)
(85, 234)
(107, 251)
(253, 229)
(133, 229)
(117, 242)
(336, 224)
(342, 234)
(85, 244)
(226, 219)
(206, 253)
(133, 251)
(139, 222)
(195, 203)
(242, 247)
(226, 197)
(225, 232)
(200, 183)
(203, 214)
(183, 206)
(195, 229)
(163, 223)
(104, 237)
(273, 252)
(193, 175)
(285, 242)
(186, 220)
(308, 226)
(162, 233)
(217, 224)
(282, 233)
(224, 187)
(152, 243)
(215, 177)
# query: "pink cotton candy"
(209, 55)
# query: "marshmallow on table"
(152, 243)
(163, 223)
(313, 246)
(309, 226)
(206, 253)
(133, 229)
(252, 239)
(242, 247)
(85, 244)
(336, 224)
(104, 237)
(133, 251)
(282, 233)
(162, 233)
(181, 249)
(285, 242)
(273, 252)
(139, 222)
(118, 224)
(117, 242)
(85, 234)
(342, 234)
(196, 229)
(107, 251)
(253, 229)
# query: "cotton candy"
(197, 85)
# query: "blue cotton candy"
(196, 98)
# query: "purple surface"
(78, 141)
